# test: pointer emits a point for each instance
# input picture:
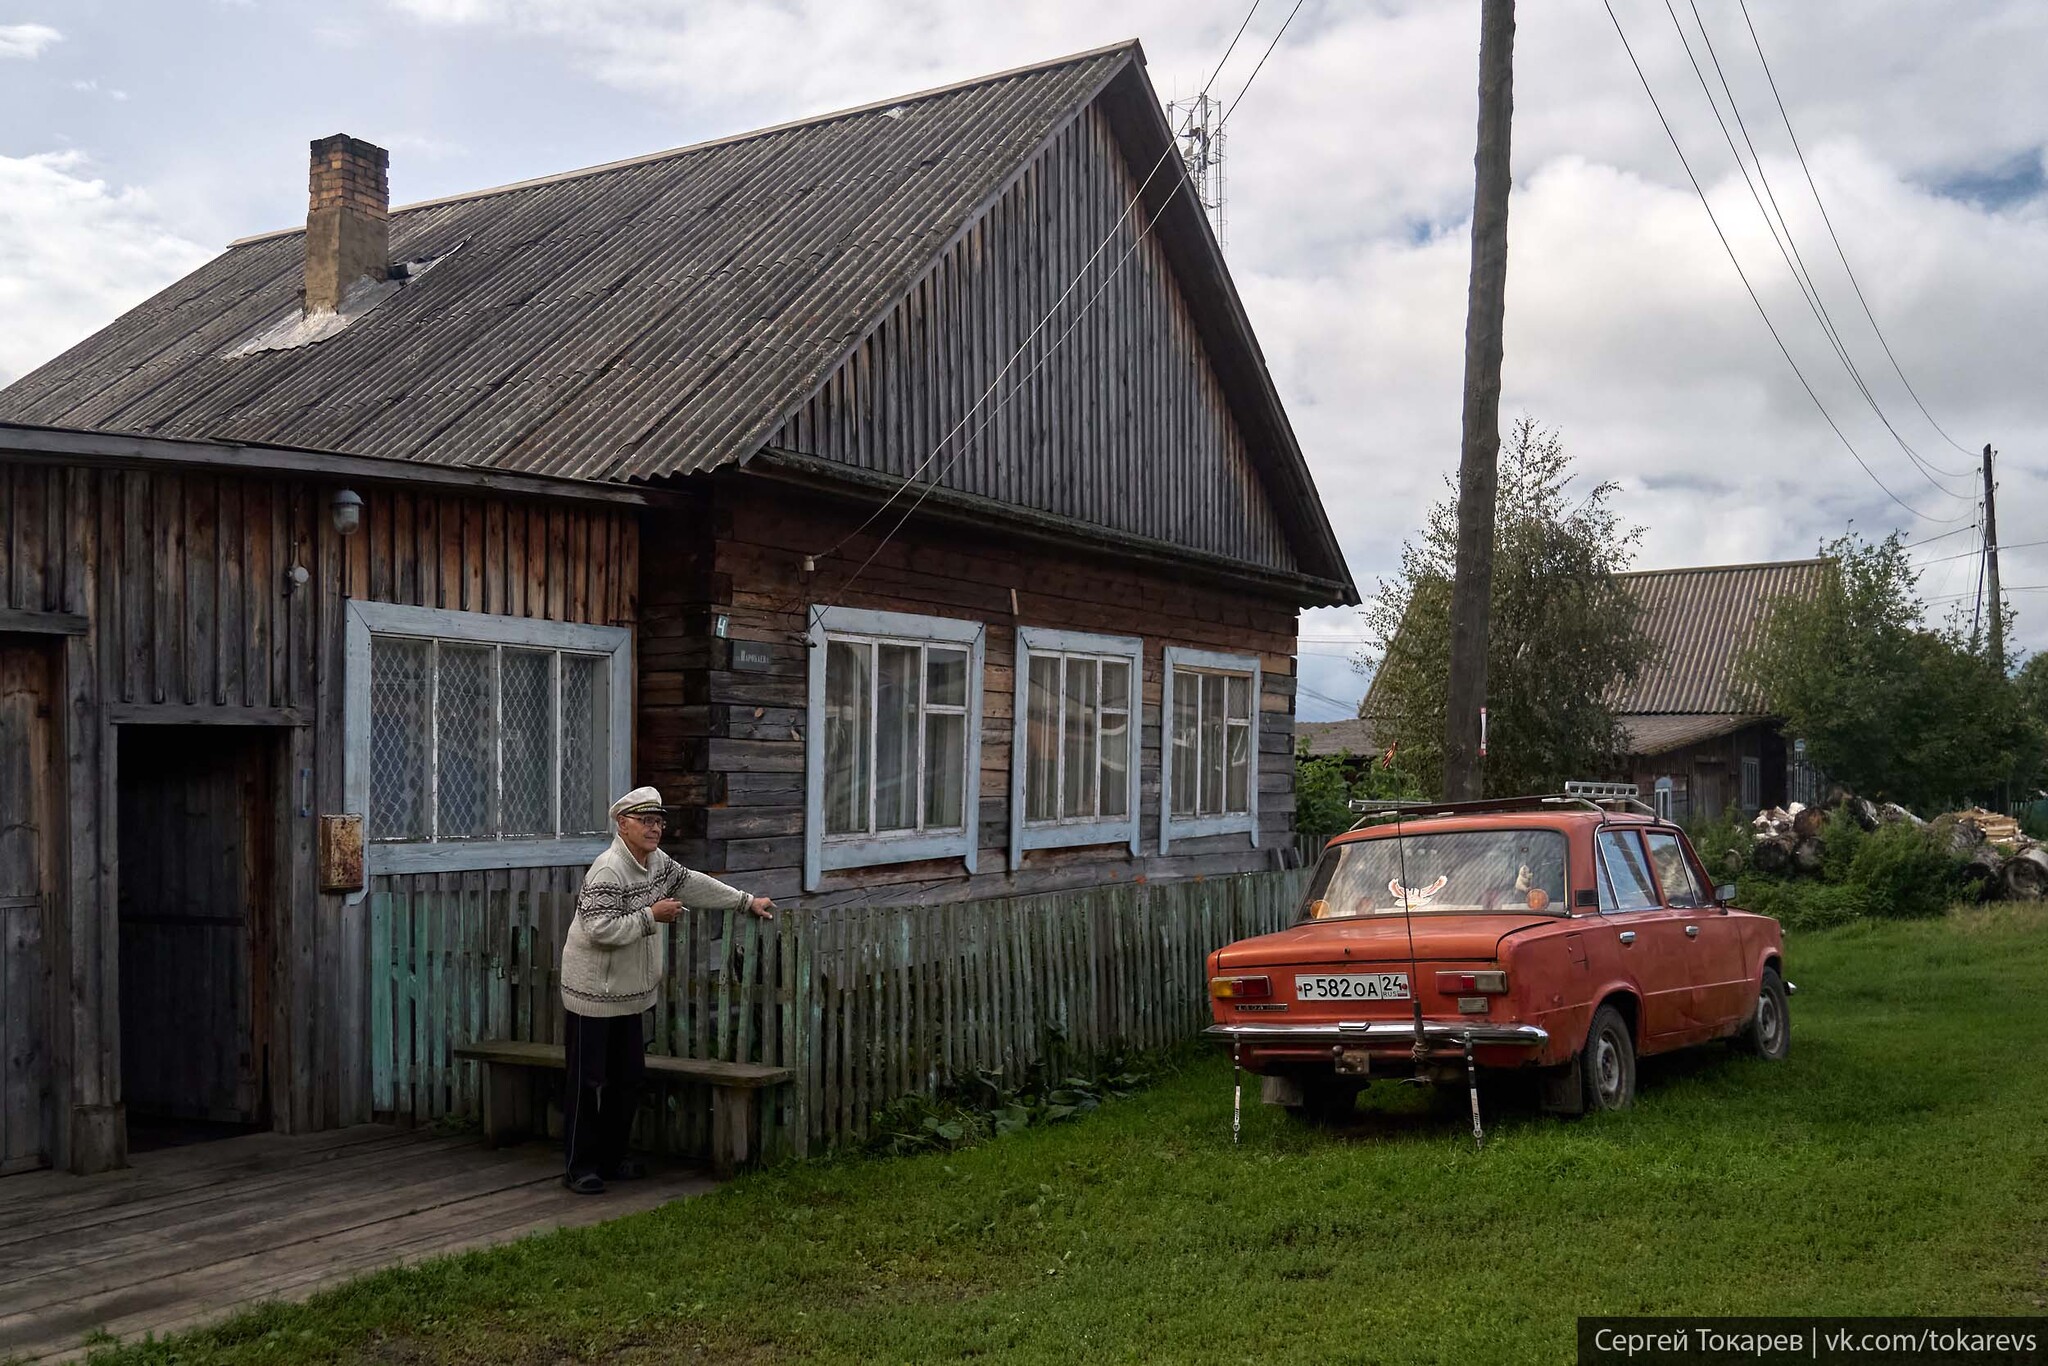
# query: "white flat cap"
(639, 799)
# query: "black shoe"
(589, 1183)
(626, 1169)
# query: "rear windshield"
(1441, 874)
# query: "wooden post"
(1991, 565)
(1478, 463)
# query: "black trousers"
(607, 1059)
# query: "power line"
(2004, 589)
(1788, 247)
(1854, 283)
(1089, 304)
(1930, 540)
(1751, 289)
(2003, 546)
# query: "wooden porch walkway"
(187, 1235)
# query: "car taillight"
(1240, 988)
(1493, 983)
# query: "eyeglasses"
(656, 821)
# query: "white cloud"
(26, 41)
(74, 253)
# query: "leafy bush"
(1723, 843)
(989, 1106)
(1324, 787)
(1803, 905)
(1840, 839)
(1905, 872)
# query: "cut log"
(1772, 821)
(1810, 822)
(1864, 812)
(1807, 857)
(1772, 854)
(2025, 875)
(1981, 872)
(1958, 834)
(1891, 813)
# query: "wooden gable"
(1112, 416)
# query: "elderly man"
(611, 969)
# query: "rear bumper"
(1381, 1034)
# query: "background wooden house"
(902, 491)
(1697, 744)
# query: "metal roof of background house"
(646, 318)
(1701, 620)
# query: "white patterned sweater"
(611, 961)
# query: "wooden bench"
(735, 1112)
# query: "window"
(893, 742)
(1625, 883)
(1210, 781)
(477, 741)
(1674, 871)
(1074, 755)
(1663, 796)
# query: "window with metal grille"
(477, 741)
(1074, 744)
(1210, 756)
(895, 726)
(465, 745)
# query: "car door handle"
(1692, 931)
(1627, 937)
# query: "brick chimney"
(348, 232)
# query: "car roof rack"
(1583, 796)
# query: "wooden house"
(902, 491)
(1698, 745)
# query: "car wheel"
(1328, 1100)
(1608, 1066)
(1768, 1034)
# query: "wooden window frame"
(1064, 833)
(1180, 658)
(823, 853)
(366, 620)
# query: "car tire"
(1328, 1100)
(1607, 1067)
(1768, 1035)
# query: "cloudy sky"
(139, 136)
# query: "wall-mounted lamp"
(346, 507)
(295, 578)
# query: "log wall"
(721, 720)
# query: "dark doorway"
(198, 891)
(30, 876)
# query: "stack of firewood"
(1999, 861)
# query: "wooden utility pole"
(1991, 564)
(1479, 461)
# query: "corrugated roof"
(1321, 738)
(651, 317)
(1662, 733)
(1701, 619)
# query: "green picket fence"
(866, 1004)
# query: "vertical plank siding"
(182, 577)
(1112, 414)
(865, 1004)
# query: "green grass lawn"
(1898, 1163)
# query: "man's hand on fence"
(763, 907)
(666, 910)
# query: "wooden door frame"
(273, 991)
(52, 879)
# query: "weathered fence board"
(864, 1004)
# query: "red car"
(1554, 934)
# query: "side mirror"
(1724, 894)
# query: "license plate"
(1352, 986)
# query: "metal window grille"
(480, 742)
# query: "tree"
(1564, 635)
(1889, 707)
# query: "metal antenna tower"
(1198, 124)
